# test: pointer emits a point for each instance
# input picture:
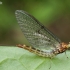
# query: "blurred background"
(54, 14)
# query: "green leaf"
(14, 58)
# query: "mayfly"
(43, 42)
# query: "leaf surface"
(14, 58)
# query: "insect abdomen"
(37, 51)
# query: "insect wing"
(38, 36)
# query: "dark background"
(54, 14)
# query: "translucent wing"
(39, 36)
